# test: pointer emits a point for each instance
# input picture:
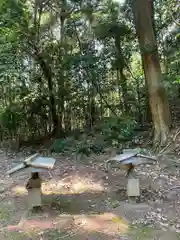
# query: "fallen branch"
(165, 148)
(170, 143)
(175, 136)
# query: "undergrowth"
(112, 132)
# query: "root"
(170, 143)
(161, 140)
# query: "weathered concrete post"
(33, 187)
(133, 189)
(129, 159)
(33, 164)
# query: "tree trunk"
(61, 87)
(157, 95)
(120, 68)
(46, 69)
(119, 91)
(67, 117)
(124, 90)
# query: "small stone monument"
(128, 160)
(34, 164)
(33, 187)
(133, 189)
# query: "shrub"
(62, 145)
(112, 131)
(118, 129)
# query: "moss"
(5, 212)
(140, 232)
(17, 236)
(53, 234)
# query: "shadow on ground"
(79, 202)
(74, 207)
(71, 216)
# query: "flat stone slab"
(131, 212)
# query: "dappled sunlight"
(83, 185)
(19, 190)
(72, 205)
(68, 185)
(107, 223)
(73, 186)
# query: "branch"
(95, 85)
(174, 20)
(172, 17)
(170, 142)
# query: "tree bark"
(158, 100)
(46, 69)
(120, 68)
(61, 80)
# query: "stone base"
(133, 187)
(34, 198)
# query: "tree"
(158, 101)
(110, 27)
(75, 65)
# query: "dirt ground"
(81, 201)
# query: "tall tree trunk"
(61, 82)
(46, 69)
(67, 117)
(122, 77)
(45, 66)
(157, 95)
(124, 90)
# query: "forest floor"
(82, 202)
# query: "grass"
(5, 212)
(54, 234)
(140, 232)
(19, 236)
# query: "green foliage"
(78, 71)
(62, 145)
(90, 147)
(11, 119)
(118, 129)
(85, 147)
(113, 131)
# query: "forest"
(97, 69)
(82, 81)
